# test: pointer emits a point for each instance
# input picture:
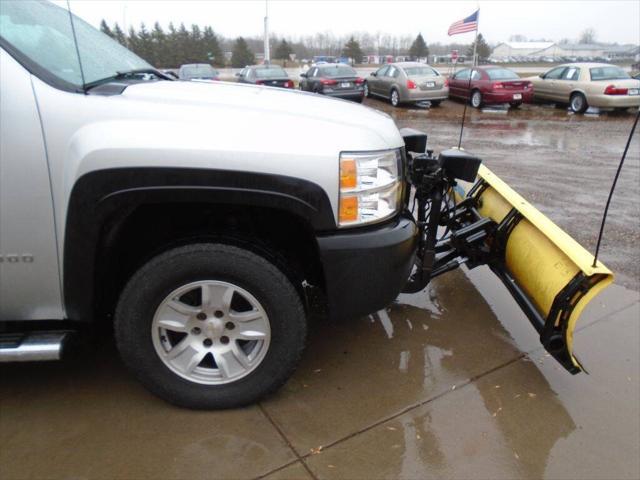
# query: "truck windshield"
(40, 35)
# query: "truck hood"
(195, 101)
(214, 126)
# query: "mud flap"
(548, 273)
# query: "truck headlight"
(370, 186)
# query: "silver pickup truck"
(199, 219)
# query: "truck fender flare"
(101, 197)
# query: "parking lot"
(450, 382)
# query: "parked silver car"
(407, 82)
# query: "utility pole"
(267, 53)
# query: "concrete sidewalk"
(450, 382)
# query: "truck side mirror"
(374, 74)
(303, 75)
(542, 75)
(237, 74)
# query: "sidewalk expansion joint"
(289, 444)
(419, 404)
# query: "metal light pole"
(267, 53)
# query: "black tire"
(365, 87)
(394, 97)
(515, 104)
(436, 103)
(578, 103)
(476, 99)
(150, 285)
(358, 99)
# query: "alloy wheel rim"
(366, 89)
(394, 98)
(475, 100)
(211, 332)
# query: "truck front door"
(29, 271)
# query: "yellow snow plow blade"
(550, 275)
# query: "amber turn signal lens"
(348, 209)
(348, 173)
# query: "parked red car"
(490, 85)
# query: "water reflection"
(453, 344)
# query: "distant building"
(324, 59)
(550, 52)
(519, 49)
(448, 58)
(377, 59)
(589, 50)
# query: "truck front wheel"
(210, 326)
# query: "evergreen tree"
(172, 55)
(182, 45)
(212, 47)
(104, 28)
(119, 35)
(283, 50)
(419, 48)
(145, 45)
(352, 50)
(241, 55)
(195, 45)
(132, 41)
(159, 46)
(483, 51)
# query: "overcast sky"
(613, 20)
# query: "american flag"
(469, 24)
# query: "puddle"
(528, 419)
(412, 361)
(500, 109)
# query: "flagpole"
(473, 65)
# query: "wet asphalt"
(447, 383)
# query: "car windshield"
(337, 71)
(40, 33)
(420, 72)
(198, 71)
(608, 73)
(271, 72)
(502, 74)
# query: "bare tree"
(588, 36)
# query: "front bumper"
(365, 270)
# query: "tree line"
(170, 48)
(174, 46)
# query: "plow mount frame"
(475, 239)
